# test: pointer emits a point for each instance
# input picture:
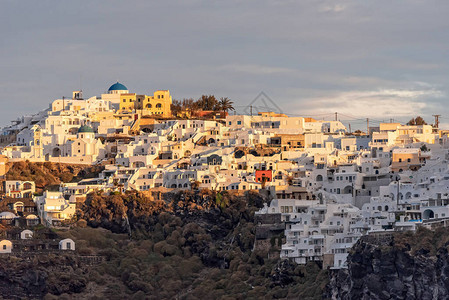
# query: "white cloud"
(377, 104)
(335, 8)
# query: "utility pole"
(336, 116)
(397, 198)
(436, 120)
(350, 128)
(63, 103)
(367, 126)
(251, 110)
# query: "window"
(4, 247)
(69, 246)
(239, 122)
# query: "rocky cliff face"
(33, 275)
(395, 267)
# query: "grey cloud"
(295, 51)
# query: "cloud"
(255, 69)
(376, 104)
(335, 8)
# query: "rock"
(377, 271)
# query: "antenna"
(367, 126)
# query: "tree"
(221, 201)
(226, 104)
(195, 184)
(417, 121)
(207, 102)
(176, 107)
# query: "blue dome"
(118, 87)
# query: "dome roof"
(118, 87)
(7, 215)
(85, 128)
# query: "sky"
(383, 60)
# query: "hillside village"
(327, 186)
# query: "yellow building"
(272, 114)
(158, 104)
(127, 101)
(3, 165)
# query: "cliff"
(33, 275)
(400, 266)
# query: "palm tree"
(226, 104)
(221, 200)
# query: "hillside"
(48, 174)
(401, 266)
(191, 245)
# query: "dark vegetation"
(47, 174)
(191, 245)
(417, 121)
(188, 245)
(423, 241)
(204, 103)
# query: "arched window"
(149, 105)
(158, 105)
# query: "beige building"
(406, 159)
